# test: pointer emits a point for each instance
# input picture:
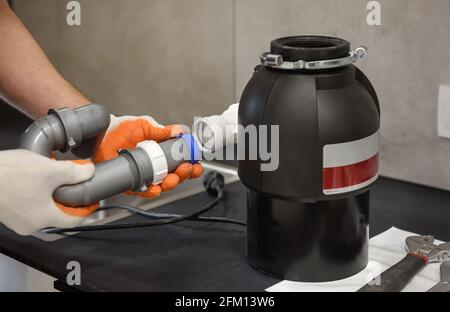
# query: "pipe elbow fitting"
(43, 136)
(74, 195)
(79, 130)
(215, 132)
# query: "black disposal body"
(308, 219)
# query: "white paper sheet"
(385, 250)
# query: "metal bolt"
(361, 52)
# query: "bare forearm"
(28, 80)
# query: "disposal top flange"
(310, 53)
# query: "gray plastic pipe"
(79, 130)
(67, 129)
(131, 170)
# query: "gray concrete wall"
(176, 58)
(170, 59)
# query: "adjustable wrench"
(421, 251)
(444, 284)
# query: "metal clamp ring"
(276, 61)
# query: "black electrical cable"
(214, 185)
(165, 221)
(159, 215)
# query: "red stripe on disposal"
(339, 177)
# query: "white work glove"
(27, 183)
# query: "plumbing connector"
(215, 132)
(78, 130)
(134, 169)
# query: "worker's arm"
(28, 80)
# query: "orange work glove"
(127, 131)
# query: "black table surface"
(201, 256)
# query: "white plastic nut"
(157, 159)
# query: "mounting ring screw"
(361, 52)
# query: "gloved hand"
(127, 131)
(27, 183)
